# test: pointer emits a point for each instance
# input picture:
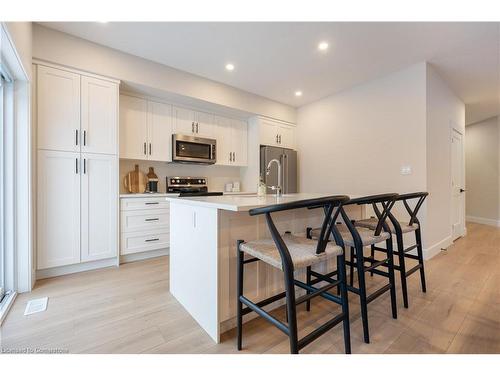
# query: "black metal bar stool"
(288, 253)
(399, 228)
(357, 238)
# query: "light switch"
(406, 169)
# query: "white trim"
(144, 255)
(74, 268)
(80, 72)
(483, 220)
(434, 250)
(6, 305)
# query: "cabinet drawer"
(135, 220)
(137, 242)
(143, 203)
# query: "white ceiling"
(276, 59)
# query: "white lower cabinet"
(77, 208)
(58, 213)
(145, 225)
(99, 207)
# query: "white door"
(239, 140)
(286, 136)
(159, 131)
(204, 125)
(268, 133)
(58, 213)
(58, 96)
(183, 121)
(224, 140)
(457, 185)
(99, 116)
(99, 205)
(133, 127)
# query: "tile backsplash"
(217, 175)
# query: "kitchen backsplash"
(217, 175)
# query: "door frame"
(455, 128)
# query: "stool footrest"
(264, 302)
(376, 264)
(414, 269)
(378, 293)
(251, 260)
(271, 319)
(316, 292)
(411, 248)
(321, 330)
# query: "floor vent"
(36, 305)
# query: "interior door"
(99, 116)
(457, 185)
(133, 128)
(159, 131)
(58, 115)
(99, 205)
(58, 213)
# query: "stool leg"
(390, 257)
(418, 238)
(402, 268)
(373, 256)
(345, 302)
(351, 269)
(239, 286)
(362, 292)
(308, 282)
(291, 310)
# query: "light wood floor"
(129, 310)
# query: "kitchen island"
(203, 235)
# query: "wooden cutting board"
(135, 181)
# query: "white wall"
(482, 169)
(54, 46)
(444, 109)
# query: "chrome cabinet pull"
(277, 138)
(154, 219)
(192, 127)
(84, 166)
(197, 127)
(280, 139)
(149, 148)
(76, 165)
(152, 203)
(76, 137)
(84, 137)
(144, 148)
(234, 156)
(152, 239)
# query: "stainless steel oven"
(189, 149)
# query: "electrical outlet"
(406, 169)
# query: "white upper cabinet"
(189, 122)
(58, 115)
(275, 133)
(159, 131)
(133, 127)
(99, 113)
(99, 207)
(58, 212)
(204, 125)
(232, 138)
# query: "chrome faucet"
(278, 189)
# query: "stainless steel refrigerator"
(288, 160)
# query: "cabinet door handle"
(76, 137)
(154, 219)
(280, 138)
(277, 138)
(152, 203)
(85, 138)
(192, 127)
(76, 165)
(144, 148)
(197, 127)
(234, 156)
(152, 239)
(84, 166)
(149, 148)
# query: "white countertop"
(147, 195)
(243, 202)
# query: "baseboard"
(6, 305)
(483, 220)
(434, 250)
(144, 255)
(74, 268)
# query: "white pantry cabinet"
(189, 122)
(58, 213)
(275, 133)
(99, 111)
(58, 115)
(99, 206)
(145, 129)
(232, 137)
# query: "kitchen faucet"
(278, 189)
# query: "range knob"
(199, 181)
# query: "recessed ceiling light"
(323, 46)
(298, 93)
(230, 67)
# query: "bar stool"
(400, 228)
(357, 238)
(289, 253)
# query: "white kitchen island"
(203, 235)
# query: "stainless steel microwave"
(189, 149)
